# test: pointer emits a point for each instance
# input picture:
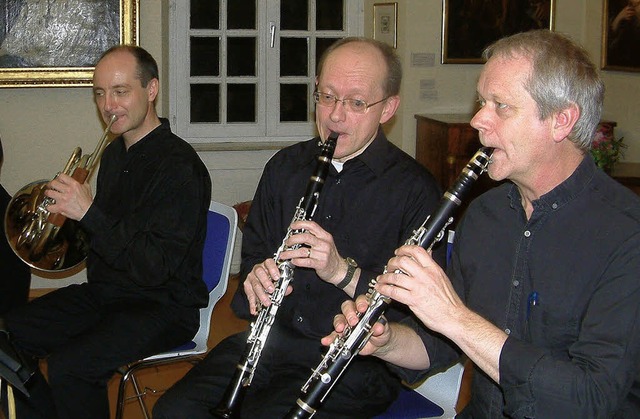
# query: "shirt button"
(308, 287)
(338, 181)
(299, 319)
(516, 283)
(507, 331)
(126, 171)
(328, 217)
(527, 233)
(554, 205)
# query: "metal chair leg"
(140, 396)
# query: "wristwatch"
(351, 269)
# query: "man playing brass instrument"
(147, 225)
(373, 197)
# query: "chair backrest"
(222, 221)
(443, 388)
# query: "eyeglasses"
(351, 105)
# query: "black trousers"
(364, 390)
(86, 332)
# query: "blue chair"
(222, 221)
(435, 397)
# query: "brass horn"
(44, 240)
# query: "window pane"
(204, 56)
(205, 14)
(293, 57)
(294, 102)
(329, 15)
(241, 14)
(241, 101)
(241, 56)
(321, 46)
(294, 14)
(205, 103)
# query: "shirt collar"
(146, 142)
(565, 191)
(374, 156)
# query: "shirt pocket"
(551, 330)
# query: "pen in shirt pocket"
(534, 300)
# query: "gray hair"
(562, 74)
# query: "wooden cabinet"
(444, 144)
(628, 174)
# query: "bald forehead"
(359, 49)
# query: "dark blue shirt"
(564, 285)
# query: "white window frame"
(267, 127)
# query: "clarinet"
(234, 394)
(344, 348)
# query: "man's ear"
(390, 108)
(152, 87)
(564, 122)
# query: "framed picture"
(55, 43)
(468, 26)
(385, 23)
(621, 35)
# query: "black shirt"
(371, 207)
(148, 220)
(564, 285)
(15, 275)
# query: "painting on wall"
(55, 43)
(621, 35)
(468, 26)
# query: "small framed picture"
(385, 23)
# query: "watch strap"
(351, 270)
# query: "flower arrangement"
(605, 149)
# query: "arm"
(393, 342)
(427, 291)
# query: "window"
(244, 70)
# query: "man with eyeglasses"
(373, 198)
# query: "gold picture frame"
(61, 57)
(385, 23)
(468, 26)
(620, 35)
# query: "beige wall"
(40, 127)
(419, 31)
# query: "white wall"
(41, 126)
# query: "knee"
(167, 407)
(65, 368)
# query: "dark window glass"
(241, 56)
(241, 14)
(204, 56)
(321, 46)
(205, 14)
(241, 103)
(329, 15)
(294, 14)
(293, 57)
(205, 103)
(294, 100)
